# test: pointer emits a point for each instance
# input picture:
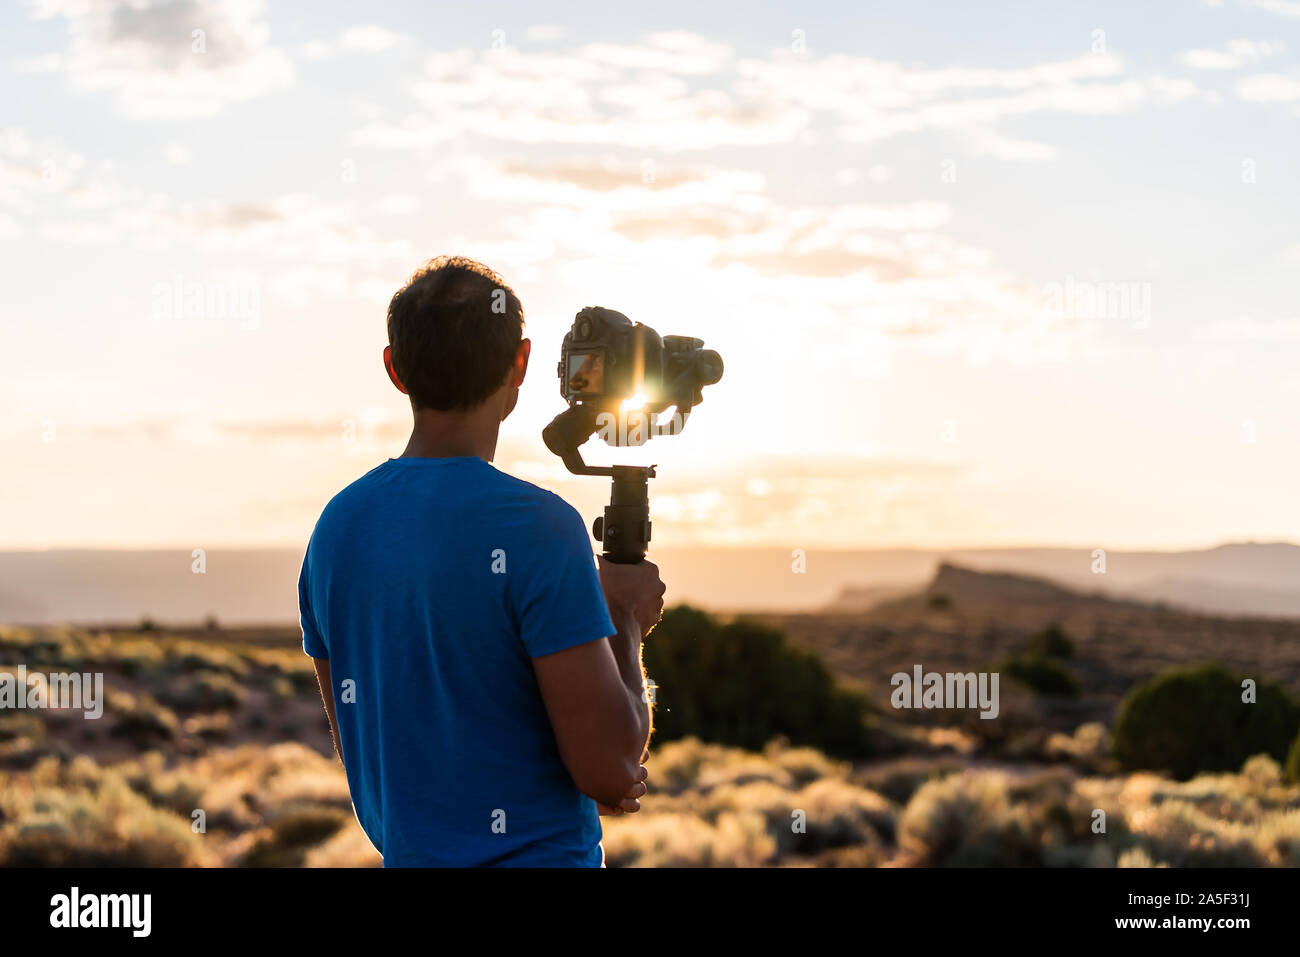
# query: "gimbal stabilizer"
(618, 377)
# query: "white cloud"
(364, 38)
(368, 38)
(176, 154)
(1004, 148)
(32, 168)
(175, 59)
(296, 227)
(1285, 8)
(398, 204)
(1270, 87)
(1234, 56)
(679, 91)
(679, 52)
(302, 285)
(316, 50)
(546, 33)
(79, 232)
(1249, 329)
(870, 279)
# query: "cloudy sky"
(978, 279)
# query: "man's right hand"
(630, 804)
(633, 592)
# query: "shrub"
(1260, 773)
(87, 817)
(140, 718)
(1137, 857)
(840, 814)
(208, 727)
(349, 847)
(293, 832)
(899, 780)
(1180, 834)
(135, 656)
(195, 656)
(43, 646)
(1291, 770)
(292, 666)
(21, 724)
(1046, 676)
(12, 637)
(1051, 642)
(987, 819)
(1189, 720)
(202, 691)
(19, 754)
(805, 765)
(741, 684)
(1089, 746)
(683, 840)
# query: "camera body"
(607, 360)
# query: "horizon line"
(1152, 549)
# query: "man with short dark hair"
(483, 682)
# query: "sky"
(1012, 273)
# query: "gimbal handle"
(624, 529)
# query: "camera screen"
(587, 372)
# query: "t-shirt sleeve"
(559, 601)
(313, 643)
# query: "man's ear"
(515, 377)
(392, 373)
(521, 363)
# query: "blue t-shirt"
(430, 584)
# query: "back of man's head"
(454, 330)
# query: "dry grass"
(173, 704)
(745, 809)
(246, 806)
(709, 806)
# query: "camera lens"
(708, 365)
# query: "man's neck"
(445, 435)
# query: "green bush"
(1051, 642)
(1291, 769)
(202, 691)
(293, 832)
(741, 684)
(1044, 675)
(89, 817)
(1189, 720)
(142, 718)
(186, 656)
(136, 657)
(989, 819)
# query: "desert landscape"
(1119, 741)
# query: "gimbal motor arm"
(624, 529)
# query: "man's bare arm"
(327, 696)
(635, 595)
(601, 722)
(626, 646)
